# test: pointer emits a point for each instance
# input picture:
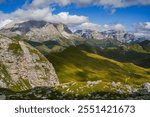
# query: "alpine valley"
(43, 60)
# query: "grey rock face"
(111, 34)
(2, 97)
(89, 34)
(146, 86)
(38, 31)
(22, 67)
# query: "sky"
(129, 15)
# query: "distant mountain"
(41, 31)
(145, 44)
(89, 34)
(121, 36)
(38, 31)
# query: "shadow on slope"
(75, 64)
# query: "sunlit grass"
(77, 65)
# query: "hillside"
(75, 64)
(86, 75)
(146, 45)
(131, 53)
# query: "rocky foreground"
(64, 92)
(22, 67)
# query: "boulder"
(22, 67)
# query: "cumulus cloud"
(45, 3)
(45, 13)
(114, 3)
(146, 25)
(41, 10)
(4, 15)
(66, 18)
(142, 29)
(100, 28)
(109, 4)
(105, 3)
(89, 26)
(119, 27)
(142, 34)
(31, 14)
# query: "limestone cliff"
(38, 31)
(22, 67)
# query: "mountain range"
(56, 63)
(39, 31)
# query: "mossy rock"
(21, 85)
(15, 48)
(4, 75)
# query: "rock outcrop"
(22, 67)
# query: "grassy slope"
(130, 53)
(75, 67)
(78, 65)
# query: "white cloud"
(40, 3)
(100, 28)
(109, 4)
(40, 10)
(89, 26)
(45, 3)
(105, 3)
(5, 22)
(140, 34)
(114, 3)
(66, 18)
(147, 25)
(3, 16)
(44, 14)
(31, 14)
(119, 27)
(144, 27)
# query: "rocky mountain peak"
(38, 30)
(121, 36)
(89, 34)
(61, 27)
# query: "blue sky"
(100, 15)
(127, 13)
